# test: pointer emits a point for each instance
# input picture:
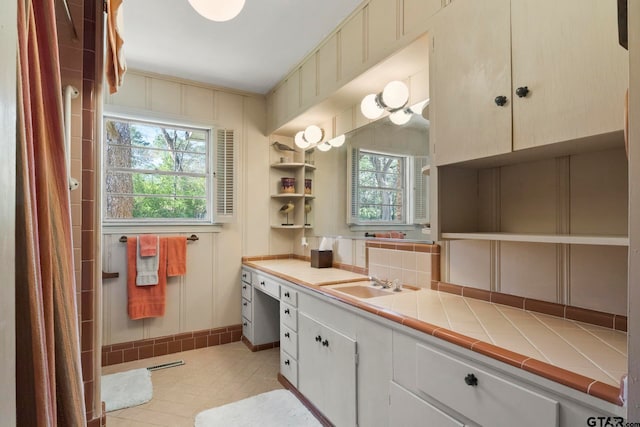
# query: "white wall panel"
(352, 47)
(383, 18)
(470, 263)
(166, 96)
(308, 82)
(528, 270)
(198, 103)
(417, 13)
(328, 66)
(198, 284)
(133, 92)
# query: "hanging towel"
(176, 256)
(146, 267)
(148, 245)
(146, 301)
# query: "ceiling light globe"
(400, 117)
(395, 94)
(300, 141)
(337, 141)
(324, 146)
(370, 108)
(218, 10)
(313, 134)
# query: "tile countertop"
(582, 356)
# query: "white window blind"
(420, 191)
(225, 182)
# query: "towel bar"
(193, 238)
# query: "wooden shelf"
(292, 165)
(287, 195)
(426, 170)
(572, 239)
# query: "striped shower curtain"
(49, 384)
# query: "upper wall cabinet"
(514, 75)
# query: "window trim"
(155, 119)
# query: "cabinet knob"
(262, 283)
(286, 311)
(244, 323)
(286, 362)
(325, 343)
(244, 286)
(286, 294)
(471, 380)
(318, 338)
(500, 100)
(244, 275)
(522, 91)
(286, 334)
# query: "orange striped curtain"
(116, 64)
(49, 384)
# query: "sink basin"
(366, 290)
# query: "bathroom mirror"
(374, 182)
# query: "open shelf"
(287, 195)
(426, 170)
(292, 165)
(571, 239)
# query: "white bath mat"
(277, 408)
(126, 389)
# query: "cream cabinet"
(511, 75)
(408, 410)
(259, 305)
(327, 370)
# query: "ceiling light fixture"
(218, 10)
(393, 97)
(313, 136)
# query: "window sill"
(160, 228)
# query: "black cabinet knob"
(244, 286)
(325, 343)
(244, 275)
(262, 283)
(318, 338)
(244, 323)
(471, 380)
(522, 91)
(286, 294)
(500, 100)
(286, 334)
(286, 311)
(286, 362)
(244, 303)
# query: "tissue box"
(321, 259)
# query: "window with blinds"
(163, 173)
(386, 189)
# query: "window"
(162, 173)
(386, 189)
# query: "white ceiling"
(252, 52)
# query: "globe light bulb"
(218, 10)
(395, 94)
(370, 108)
(324, 146)
(313, 134)
(400, 117)
(300, 141)
(337, 141)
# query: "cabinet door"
(470, 66)
(567, 54)
(327, 370)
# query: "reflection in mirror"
(374, 183)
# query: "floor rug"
(126, 389)
(277, 408)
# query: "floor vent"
(166, 365)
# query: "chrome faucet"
(380, 282)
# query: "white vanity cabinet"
(259, 304)
(289, 334)
(245, 283)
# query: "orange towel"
(146, 301)
(176, 256)
(148, 244)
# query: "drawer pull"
(501, 100)
(286, 335)
(244, 286)
(287, 295)
(244, 323)
(286, 362)
(244, 303)
(471, 380)
(244, 275)
(262, 283)
(286, 311)
(318, 338)
(522, 91)
(325, 343)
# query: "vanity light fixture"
(393, 97)
(218, 10)
(313, 135)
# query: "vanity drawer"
(247, 330)
(289, 296)
(288, 316)
(246, 291)
(479, 395)
(246, 309)
(407, 409)
(289, 341)
(245, 275)
(289, 368)
(268, 286)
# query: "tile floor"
(210, 377)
